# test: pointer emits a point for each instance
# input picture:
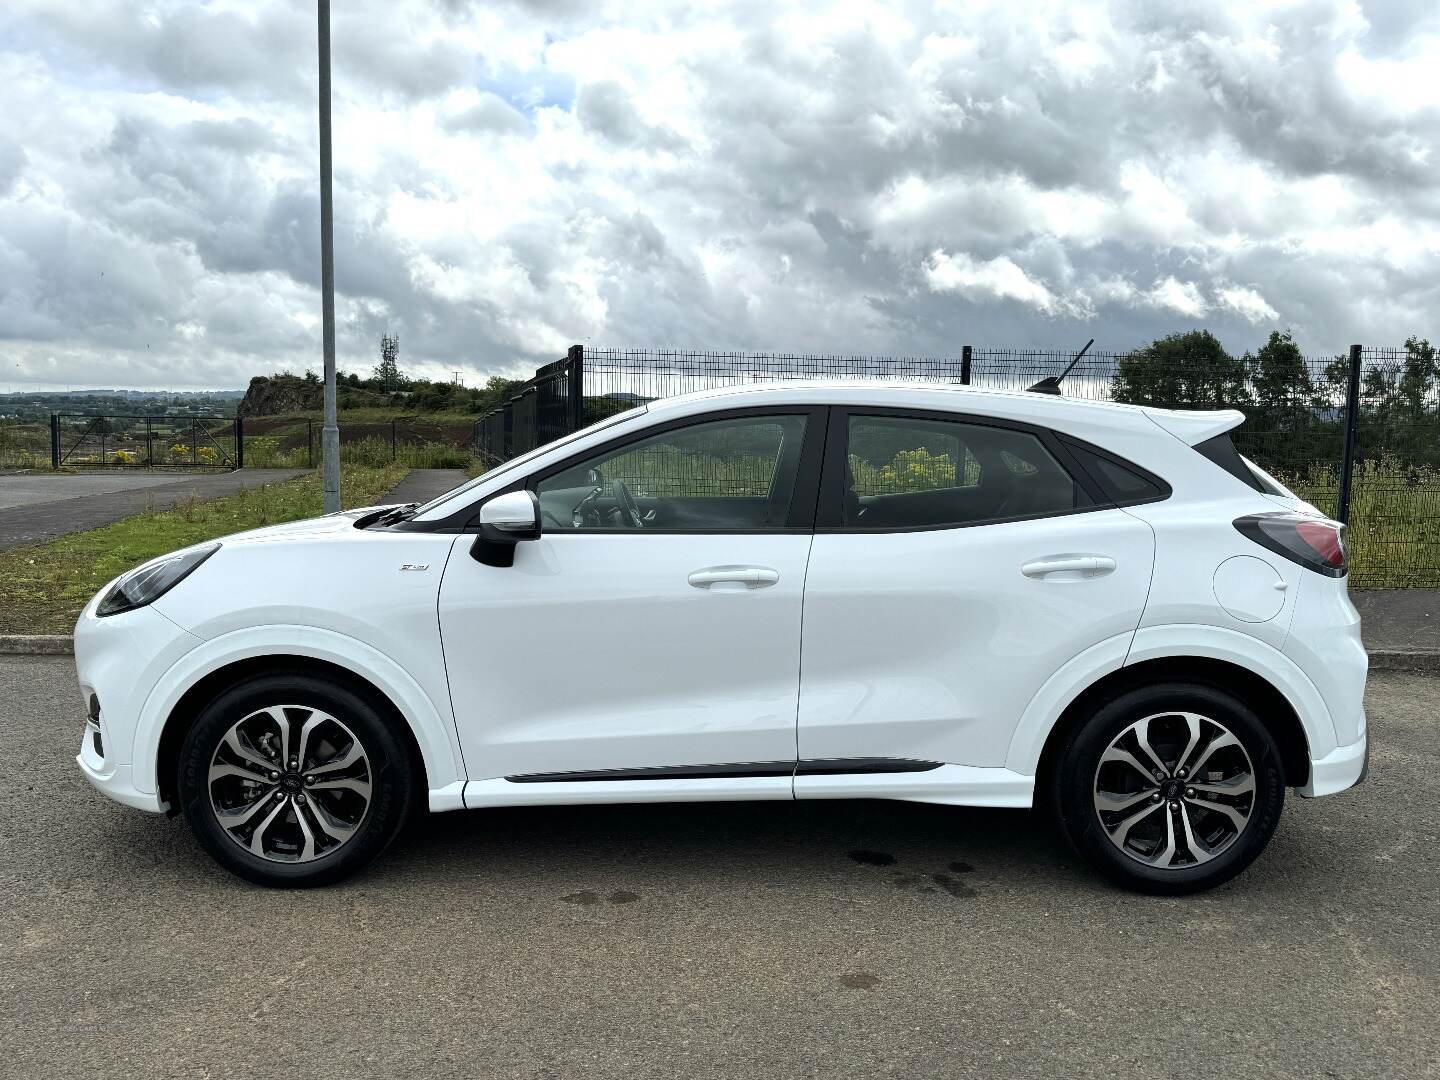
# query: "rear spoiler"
(1193, 428)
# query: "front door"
(957, 565)
(653, 630)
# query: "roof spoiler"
(1051, 385)
(1193, 428)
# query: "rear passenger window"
(914, 473)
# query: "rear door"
(958, 562)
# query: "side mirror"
(505, 521)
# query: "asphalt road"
(34, 488)
(715, 941)
(40, 506)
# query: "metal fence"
(422, 441)
(1394, 479)
(24, 444)
(547, 407)
(80, 440)
(84, 440)
(1357, 434)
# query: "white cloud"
(998, 279)
(1247, 303)
(1180, 297)
(872, 176)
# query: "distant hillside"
(283, 395)
(39, 404)
(280, 395)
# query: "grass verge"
(44, 586)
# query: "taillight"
(1314, 543)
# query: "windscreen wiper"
(395, 514)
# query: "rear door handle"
(734, 577)
(1068, 567)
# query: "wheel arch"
(195, 680)
(206, 689)
(1272, 706)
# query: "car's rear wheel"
(1171, 788)
(294, 781)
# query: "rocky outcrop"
(276, 395)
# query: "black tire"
(1074, 796)
(387, 771)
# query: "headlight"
(146, 584)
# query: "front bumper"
(118, 660)
(113, 779)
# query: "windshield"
(609, 421)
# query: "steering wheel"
(587, 513)
(629, 509)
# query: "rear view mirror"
(505, 521)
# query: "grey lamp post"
(330, 431)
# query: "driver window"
(724, 475)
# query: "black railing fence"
(1357, 434)
(547, 407)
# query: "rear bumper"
(1342, 768)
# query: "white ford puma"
(816, 590)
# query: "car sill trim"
(735, 771)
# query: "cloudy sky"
(864, 177)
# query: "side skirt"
(852, 778)
(952, 785)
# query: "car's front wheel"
(1170, 788)
(290, 780)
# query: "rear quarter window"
(1221, 451)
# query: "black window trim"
(829, 516)
(1160, 483)
(1221, 451)
(803, 501)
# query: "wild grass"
(272, 452)
(44, 586)
(1394, 520)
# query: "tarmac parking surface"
(852, 939)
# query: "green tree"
(1279, 377)
(1400, 416)
(1292, 423)
(495, 391)
(1418, 374)
(1189, 370)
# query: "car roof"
(1189, 426)
(882, 392)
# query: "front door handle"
(734, 577)
(1068, 567)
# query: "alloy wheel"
(1174, 790)
(290, 783)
